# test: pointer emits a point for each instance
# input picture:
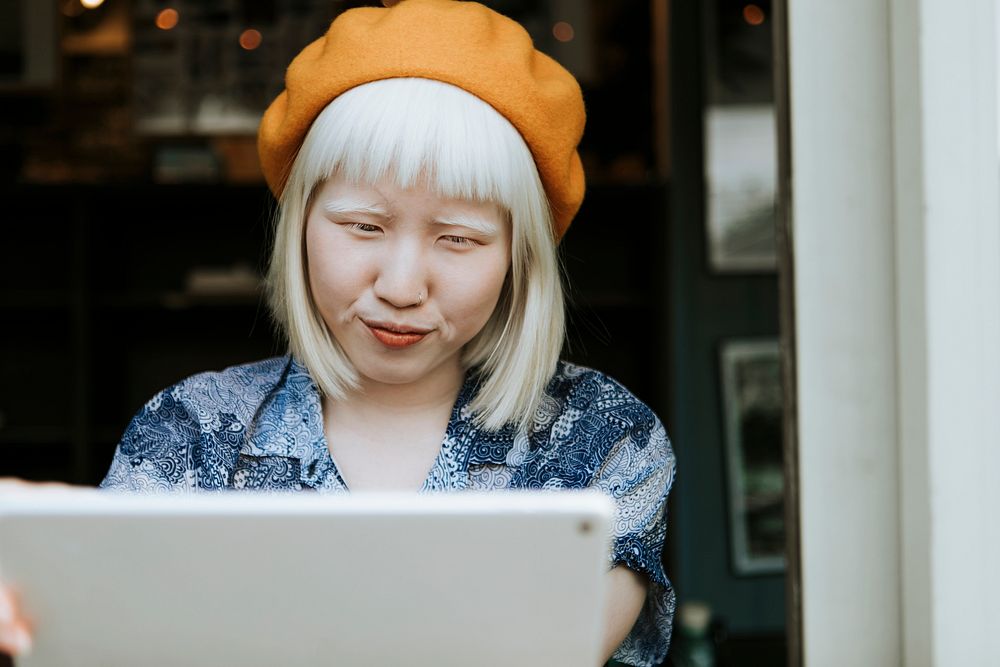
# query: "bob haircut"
(414, 130)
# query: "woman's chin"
(392, 377)
(395, 372)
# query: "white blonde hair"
(406, 130)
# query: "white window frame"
(896, 239)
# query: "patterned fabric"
(260, 426)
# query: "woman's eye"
(460, 240)
(363, 227)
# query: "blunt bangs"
(429, 131)
(423, 133)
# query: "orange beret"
(462, 43)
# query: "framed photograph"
(740, 137)
(28, 54)
(741, 169)
(752, 407)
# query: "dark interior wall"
(97, 316)
(705, 310)
(98, 312)
(100, 243)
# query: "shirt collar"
(289, 423)
(289, 420)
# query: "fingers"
(12, 483)
(15, 638)
(15, 632)
(15, 485)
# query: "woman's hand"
(15, 632)
(13, 484)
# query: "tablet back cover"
(365, 579)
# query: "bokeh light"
(753, 15)
(71, 8)
(563, 31)
(91, 4)
(167, 19)
(250, 39)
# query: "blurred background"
(135, 231)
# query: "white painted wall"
(896, 183)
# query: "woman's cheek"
(481, 296)
(336, 269)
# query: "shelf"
(54, 435)
(35, 435)
(606, 301)
(59, 300)
(179, 300)
(34, 299)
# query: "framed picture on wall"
(752, 409)
(28, 52)
(740, 178)
(740, 144)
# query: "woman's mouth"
(395, 336)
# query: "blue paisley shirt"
(260, 426)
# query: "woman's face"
(404, 278)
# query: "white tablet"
(363, 579)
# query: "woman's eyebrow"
(345, 205)
(469, 222)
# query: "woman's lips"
(395, 339)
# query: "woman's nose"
(402, 276)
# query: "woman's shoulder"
(193, 427)
(585, 391)
(210, 401)
(587, 419)
(237, 389)
(250, 375)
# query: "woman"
(424, 159)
